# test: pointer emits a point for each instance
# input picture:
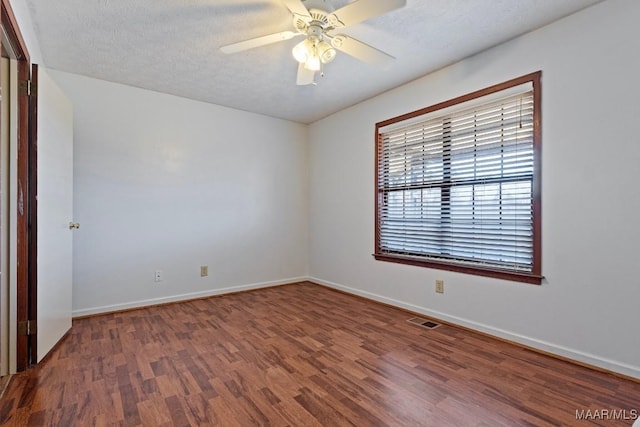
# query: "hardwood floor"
(300, 355)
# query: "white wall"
(588, 306)
(166, 183)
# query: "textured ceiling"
(172, 46)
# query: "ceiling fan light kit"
(315, 19)
(312, 52)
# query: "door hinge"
(28, 88)
(27, 327)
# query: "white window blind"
(457, 186)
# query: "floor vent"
(423, 322)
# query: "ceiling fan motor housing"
(319, 19)
(315, 31)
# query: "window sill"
(487, 272)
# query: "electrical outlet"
(204, 270)
(158, 276)
(440, 286)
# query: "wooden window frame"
(533, 277)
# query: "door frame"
(26, 292)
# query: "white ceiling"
(172, 46)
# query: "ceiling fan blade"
(305, 76)
(297, 8)
(361, 51)
(361, 10)
(259, 41)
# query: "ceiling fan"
(317, 20)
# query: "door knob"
(74, 225)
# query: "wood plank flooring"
(300, 355)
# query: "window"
(458, 184)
